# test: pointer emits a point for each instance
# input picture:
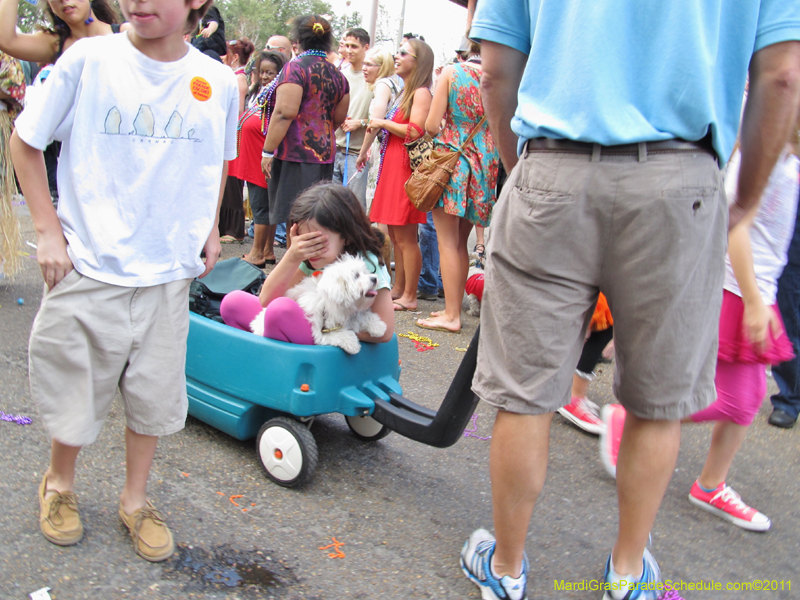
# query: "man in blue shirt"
(615, 117)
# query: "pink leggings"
(284, 320)
(740, 390)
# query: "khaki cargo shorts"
(90, 338)
(650, 235)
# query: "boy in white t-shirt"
(147, 124)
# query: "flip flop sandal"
(402, 308)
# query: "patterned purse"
(419, 149)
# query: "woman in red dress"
(391, 206)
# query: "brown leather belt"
(641, 149)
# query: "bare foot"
(440, 325)
(397, 294)
(437, 313)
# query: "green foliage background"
(254, 19)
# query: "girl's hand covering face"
(306, 246)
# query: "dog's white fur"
(338, 302)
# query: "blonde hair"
(385, 62)
(421, 76)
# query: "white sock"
(620, 591)
(496, 576)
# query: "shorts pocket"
(70, 278)
(543, 205)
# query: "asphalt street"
(401, 509)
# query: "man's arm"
(503, 67)
(769, 116)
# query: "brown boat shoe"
(151, 536)
(58, 516)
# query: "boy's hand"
(306, 246)
(213, 249)
(51, 254)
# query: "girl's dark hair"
(244, 48)
(312, 32)
(272, 56)
(337, 209)
(102, 10)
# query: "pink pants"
(741, 388)
(284, 320)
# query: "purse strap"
(472, 133)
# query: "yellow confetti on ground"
(462, 349)
(415, 337)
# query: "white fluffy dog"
(337, 304)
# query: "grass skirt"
(9, 226)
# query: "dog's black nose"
(373, 279)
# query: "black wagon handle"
(441, 428)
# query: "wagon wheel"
(367, 429)
(287, 451)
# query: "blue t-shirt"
(384, 280)
(620, 72)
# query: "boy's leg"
(153, 388)
(139, 453)
(77, 352)
(61, 474)
(59, 519)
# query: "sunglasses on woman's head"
(404, 52)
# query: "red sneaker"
(727, 504)
(583, 413)
(613, 416)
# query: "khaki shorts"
(650, 235)
(89, 338)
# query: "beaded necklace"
(320, 53)
(264, 100)
(385, 141)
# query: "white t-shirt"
(773, 226)
(360, 98)
(141, 161)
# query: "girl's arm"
(385, 310)
(379, 107)
(419, 112)
(35, 47)
(433, 123)
(51, 253)
(759, 318)
(287, 273)
(288, 97)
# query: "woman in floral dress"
(472, 192)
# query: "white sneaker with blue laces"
(476, 562)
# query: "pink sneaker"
(613, 416)
(727, 504)
(583, 413)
